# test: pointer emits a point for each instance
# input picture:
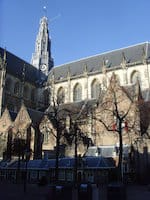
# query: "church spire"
(41, 58)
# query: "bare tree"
(116, 112)
(56, 115)
(77, 116)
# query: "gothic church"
(29, 91)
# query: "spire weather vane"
(45, 13)
(45, 10)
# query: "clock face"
(43, 67)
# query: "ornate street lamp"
(27, 154)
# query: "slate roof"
(73, 108)
(64, 163)
(13, 115)
(15, 67)
(104, 151)
(99, 162)
(35, 115)
(113, 59)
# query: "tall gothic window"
(135, 76)
(61, 95)
(17, 88)
(33, 95)
(46, 137)
(46, 97)
(117, 78)
(77, 92)
(95, 89)
(8, 85)
(26, 92)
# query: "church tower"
(41, 58)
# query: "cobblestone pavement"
(133, 192)
(34, 192)
(136, 192)
(16, 192)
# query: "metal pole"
(27, 158)
(25, 177)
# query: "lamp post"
(76, 154)
(27, 154)
(17, 151)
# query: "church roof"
(94, 64)
(15, 67)
(13, 115)
(76, 109)
(90, 162)
(35, 116)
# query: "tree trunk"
(76, 157)
(120, 170)
(57, 155)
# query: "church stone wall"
(12, 99)
(124, 75)
(144, 74)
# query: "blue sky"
(78, 28)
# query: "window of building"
(135, 76)
(117, 78)
(77, 92)
(8, 85)
(69, 175)
(17, 88)
(61, 95)
(61, 175)
(33, 95)
(46, 97)
(95, 89)
(68, 122)
(11, 107)
(26, 92)
(46, 137)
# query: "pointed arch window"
(33, 95)
(117, 78)
(46, 137)
(8, 85)
(61, 95)
(26, 92)
(135, 76)
(17, 88)
(95, 89)
(46, 97)
(77, 92)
